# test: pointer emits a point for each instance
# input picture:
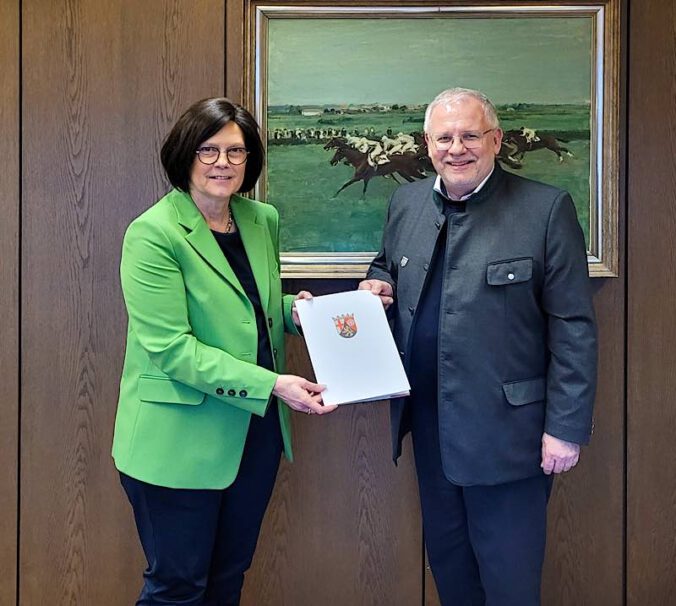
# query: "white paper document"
(351, 347)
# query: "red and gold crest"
(346, 325)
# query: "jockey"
(402, 144)
(529, 135)
(375, 154)
(388, 143)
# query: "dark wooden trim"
(10, 146)
(651, 362)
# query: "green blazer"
(190, 382)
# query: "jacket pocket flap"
(162, 389)
(501, 273)
(525, 392)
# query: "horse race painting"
(341, 95)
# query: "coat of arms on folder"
(346, 325)
(354, 367)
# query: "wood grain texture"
(343, 526)
(235, 52)
(102, 84)
(584, 562)
(651, 380)
(9, 295)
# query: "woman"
(199, 430)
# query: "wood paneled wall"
(651, 304)
(117, 79)
(343, 526)
(103, 82)
(100, 85)
(9, 296)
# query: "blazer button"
(510, 276)
(274, 351)
(220, 391)
(426, 266)
(270, 322)
(231, 392)
(411, 310)
(243, 393)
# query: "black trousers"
(485, 544)
(199, 543)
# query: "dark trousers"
(485, 544)
(199, 543)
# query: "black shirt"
(233, 249)
(425, 332)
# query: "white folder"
(351, 347)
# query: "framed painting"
(340, 93)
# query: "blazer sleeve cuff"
(253, 395)
(289, 326)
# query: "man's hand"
(558, 455)
(381, 288)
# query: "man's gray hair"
(454, 94)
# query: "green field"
(302, 184)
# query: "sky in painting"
(339, 61)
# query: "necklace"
(228, 223)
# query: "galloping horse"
(516, 144)
(505, 155)
(335, 143)
(405, 165)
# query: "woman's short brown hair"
(201, 121)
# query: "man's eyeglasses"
(470, 140)
(208, 154)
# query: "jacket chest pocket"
(512, 271)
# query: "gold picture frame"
(324, 234)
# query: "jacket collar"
(487, 190)
(199, 236)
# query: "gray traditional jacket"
(517, 336)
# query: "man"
(492, 314)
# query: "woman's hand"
(303, 294)
(301, 394)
